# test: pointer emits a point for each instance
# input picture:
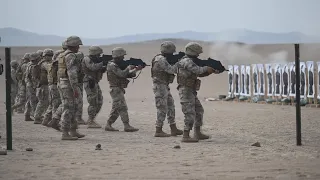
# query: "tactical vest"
(32, 73)
(21, 71)
(190, 81)
(53, 73)
(161, 75)
(43, 73)
(96, 75)
(62, 66)
(116, 81)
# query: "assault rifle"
(132, 61)
(105, 59)
(215, 64)
(175, 58)
(125, 63)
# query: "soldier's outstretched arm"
(92, 66)
(121, 73)
(72, 70)
(189, 65)
(165, 66)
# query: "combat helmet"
(95, 51)
(118, 52)
(167, 47)
(193, 49)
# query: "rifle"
(175, 58)
(105, 59)
(132, 61)
(215, 64)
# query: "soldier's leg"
(161, 96)
(199, 121)
(27, 111)
(100, 99)
(117, 95)
(42, 105)
(57, 107)
(33, 100)
(20, 100)
(79, 110)
(68, 114)
(187, 101)
(171, 115)
(112, 118)
(48, 114)
(13, 94)
(92, 96)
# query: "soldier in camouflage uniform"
(118, 82)
(69, 87)
(79, 108)
(14, 83)
(93, 69)
(54, 110)
(20, 74)
(31, 79)
(188, 85)
(42, 87)
(162, 74)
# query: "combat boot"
(128, 128)
(66, 136)
(45, 122)
(109, 127)
(54, 123)
(28, 118)
(75, 133)
(160, 133)
(187, 139)
(37, 121)
(199, 135)
(174, 130)
(93, 124)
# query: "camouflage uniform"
(42, 88)
(69, 88)
(14, 83)
(188, 85)
(162, 74)
(31, 79)
(118, 82)
(54, 110)
(20, 74)
(79, 108)
(93, 69)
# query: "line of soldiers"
(50, 87)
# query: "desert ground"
(228, 154)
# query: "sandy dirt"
(228, 154)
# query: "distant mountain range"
(17, 37)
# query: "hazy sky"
(111, 18)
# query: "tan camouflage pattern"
(163, 99)
(190, 104)
(42, 92)
(119, 105)
(68, 87)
